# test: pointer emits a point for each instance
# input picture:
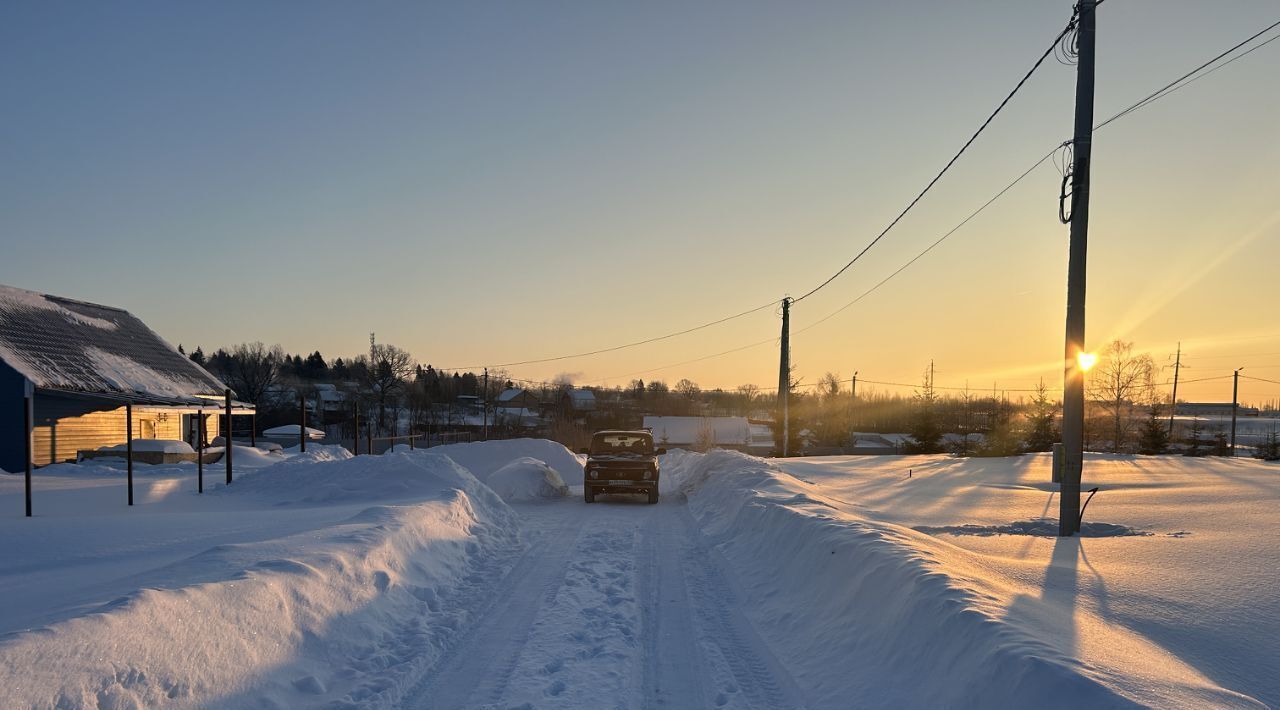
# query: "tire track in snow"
(584, 648)
(745, 673)
(673, 667)
(477, 668)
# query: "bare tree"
(688, 388)
(252, 368)
(388, 369)
(1120, 380)
(706, 436)
(829, 384)
(748, 392)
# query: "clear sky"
(487, 182)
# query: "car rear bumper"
(622, 486)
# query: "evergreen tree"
(1221, 444)
(197, 356)
(925, 431)
(1269, 449)
(1042, 431)
(1194, 433)
(1154, 437)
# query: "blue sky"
(482, 182)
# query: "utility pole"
(1235, 405)
(853, 398)
(1173, 406)
(1073, 375)
(784, 377)
(484, 403)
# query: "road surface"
(618, 604)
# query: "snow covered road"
(617, 604)
(406, 580)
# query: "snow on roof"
(729, 431)
(62, 344)
(583, 395)
(508, 395)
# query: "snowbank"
(527, 479)
(926, 623)
(291, 431)
(320, 477)
(163, 446)
(313, 618)
(482, 458)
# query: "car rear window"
(622, 443)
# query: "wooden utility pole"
(484, 404)
(1235, 406)
(1173, 406)
(1073, 376)
(784, 378)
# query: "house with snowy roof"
(70, 370)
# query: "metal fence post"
(226, 439)
(128, 445)
(26, 445)
(200, 451)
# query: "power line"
(1170, 87)
(1071, 24)
(615, 348)
(931, 247)
(1149, 99)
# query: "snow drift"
(922, 621)
(527, 478)
(484, 457)
(342, 614)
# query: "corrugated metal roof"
(73, 346)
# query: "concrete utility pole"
(1073, 376)
(1235, 405)
(1173, 407)
(784, 377)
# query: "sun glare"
(1086, 361)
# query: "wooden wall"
(65, 425)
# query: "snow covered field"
(404, 580)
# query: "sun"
(1086, 361)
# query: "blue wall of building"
(13, 389)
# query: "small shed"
(80, 367)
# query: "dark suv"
(621, 462)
